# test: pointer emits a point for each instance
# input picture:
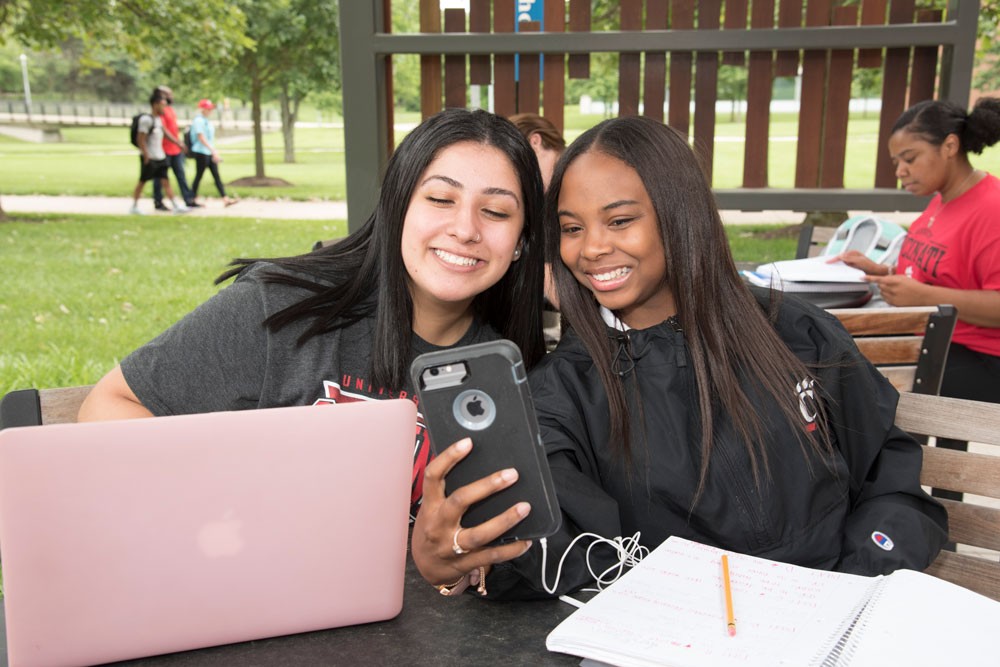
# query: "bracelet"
(475, 578)
(455, 588)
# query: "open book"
(670, 610)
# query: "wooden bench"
(813, 239)
(31, 407)
(974, 523)
(908, 345)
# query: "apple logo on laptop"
(221, 538)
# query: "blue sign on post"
(528, 10)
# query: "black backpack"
(134, 131)
(188, 140)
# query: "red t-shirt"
(961, 250)
(169, 119)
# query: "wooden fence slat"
(629, 64)
(654, 83)
(554, 67)
(924, 69)
(479, 65)
(706, 87)
(504, 85)
(430, 65)
(894, 75)
(528, 80)
(455, 87)
(872, 13)
(838, 100)
(810, 148)
(736, 19)
(760, 81)
(786, 63)
(679, 106)
(579, 21)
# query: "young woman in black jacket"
(682, 403)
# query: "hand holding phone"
(481, 392)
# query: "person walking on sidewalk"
(152, 159)
(176, 154)
(203, 149)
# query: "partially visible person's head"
(206, 106)
(158, 101)
(931, 140)
(545, 139)
(642, 164)
(166, 91)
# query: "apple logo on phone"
(221, 538)
(474, 409)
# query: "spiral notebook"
(670, 610)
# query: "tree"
(295, 51)
(988, 53)
(143, 28)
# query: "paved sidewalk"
(245, 208)
(310, 210)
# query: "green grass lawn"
(81, 292)
(100, 161)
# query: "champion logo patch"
(882, 540)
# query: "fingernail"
(508, 475)
(522, 509)
(528, 544)
(464, 445)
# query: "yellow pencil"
(727, 587)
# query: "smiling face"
(610, 239)
(921, 167)
(461, 229)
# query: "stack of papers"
(825, 284)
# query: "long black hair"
(934, 120)
(730, 338)
(363, 274)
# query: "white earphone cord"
(629, 551)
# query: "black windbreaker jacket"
(863, 512)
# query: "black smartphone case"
(495, 384)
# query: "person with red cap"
(204, 152)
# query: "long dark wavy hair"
(363, 274)
(731, 339)
(934, 120)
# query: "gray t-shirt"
(221, 357)
(152, 126)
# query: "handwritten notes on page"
(670, 610)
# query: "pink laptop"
(133, 538)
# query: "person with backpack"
(176, 155)
(147, 135)
(203, 149)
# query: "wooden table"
(431, 630)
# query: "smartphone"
(481, 392)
